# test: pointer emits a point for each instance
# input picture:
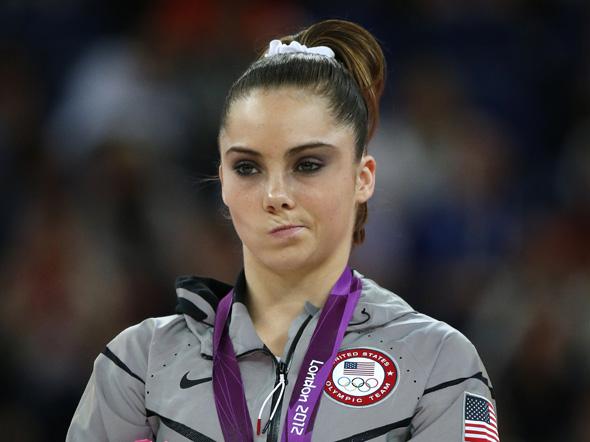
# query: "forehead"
(282, 116)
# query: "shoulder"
(434, 340)
(133, 348)
(447, 361)
(142, 334)
(430, 340)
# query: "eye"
(245, 168)
(308, 166)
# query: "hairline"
(307, 89)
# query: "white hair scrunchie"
(277, 47)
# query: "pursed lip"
(286, 227)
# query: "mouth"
(286, 230)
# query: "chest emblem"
(361, 377)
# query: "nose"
(277, 195)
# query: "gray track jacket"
(400, 375)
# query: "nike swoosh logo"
(185, 382)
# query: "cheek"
(242, 203)
(333, 202)
(239, 197)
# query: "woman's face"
(291, 180)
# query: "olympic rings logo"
(358, 383)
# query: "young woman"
(302, 348)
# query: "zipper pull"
(282, 370)
(281, 384)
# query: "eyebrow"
(292, 151)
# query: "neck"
(268, 288)
(276, 298)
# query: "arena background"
(108, 122)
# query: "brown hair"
(352, 82)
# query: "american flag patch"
(480, 420)
(359, 368)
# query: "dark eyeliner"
(313, 165)
(245, 168)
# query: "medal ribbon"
(228, 388)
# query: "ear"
(365, 179)
(220, 174)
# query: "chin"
(289, 260)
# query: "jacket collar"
(197, 299)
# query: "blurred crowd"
(108, 122)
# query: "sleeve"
(458, 402)
(112, 407)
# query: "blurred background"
(108, 122)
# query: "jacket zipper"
(282, 367)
